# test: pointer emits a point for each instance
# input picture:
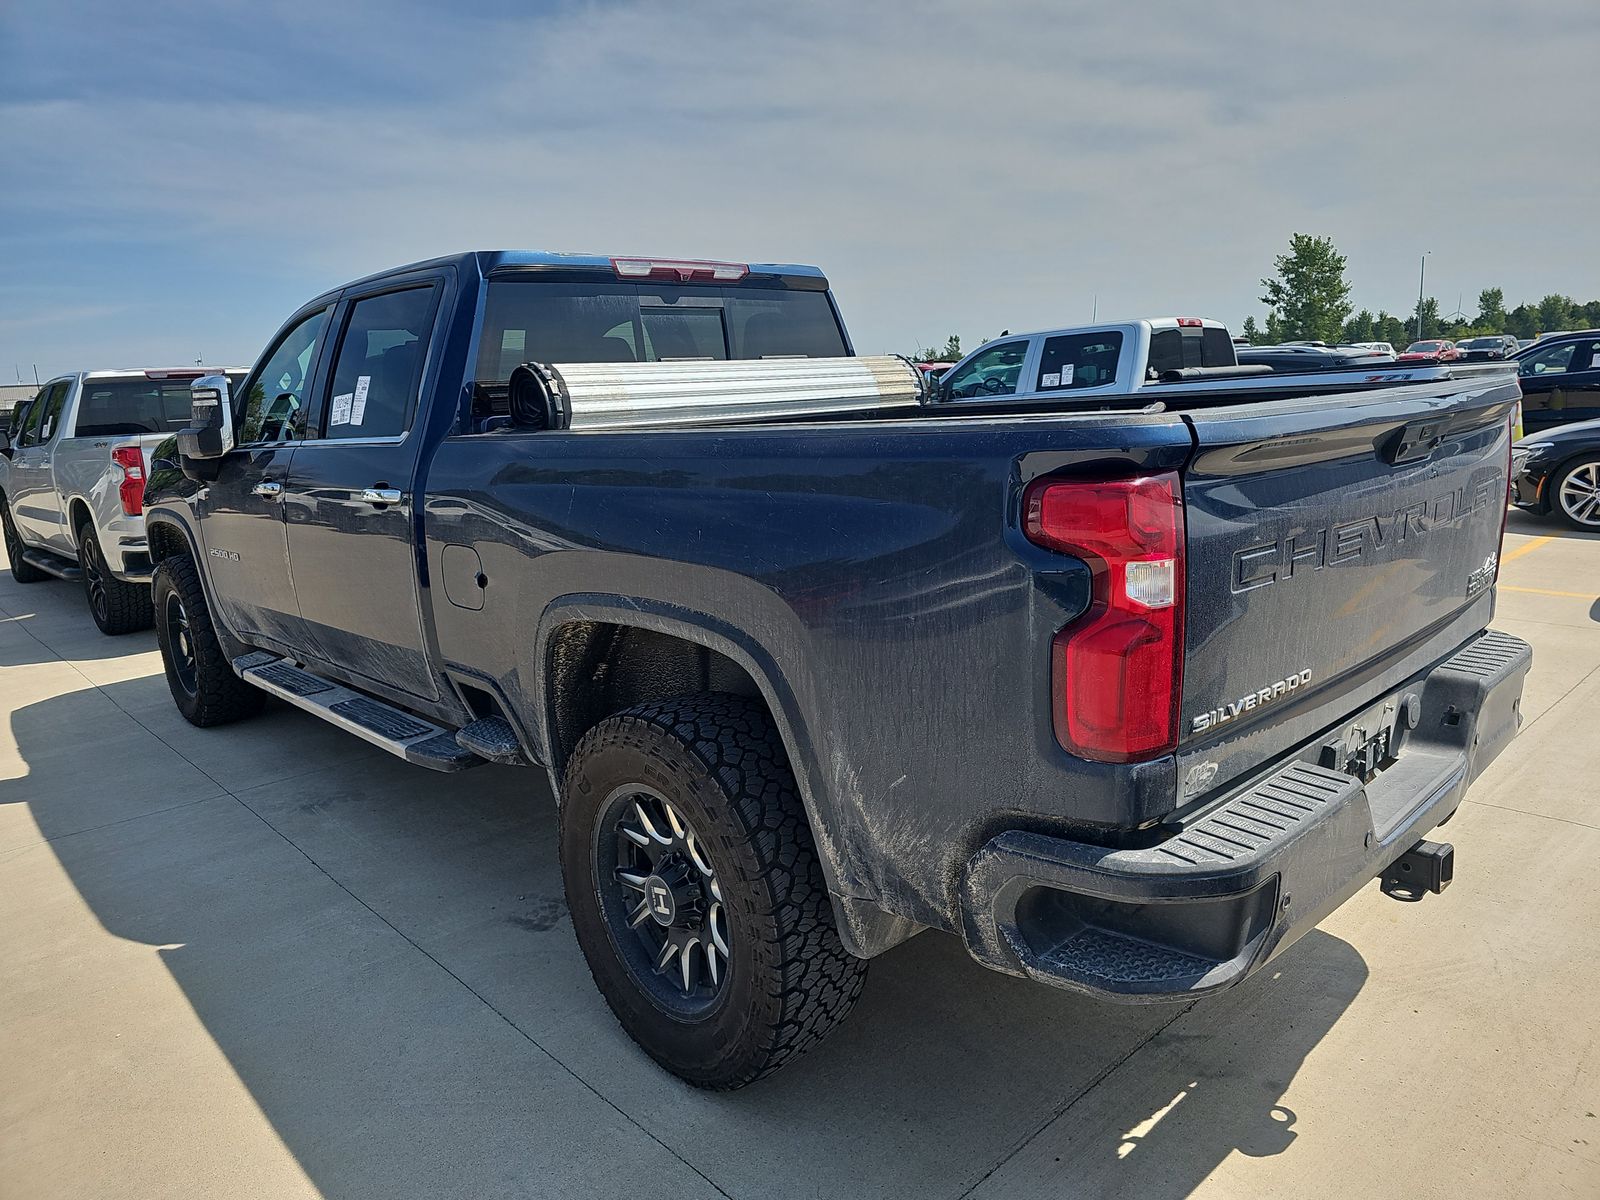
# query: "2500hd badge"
(1226, 713)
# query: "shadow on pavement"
(383, 955)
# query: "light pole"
(1421, 275)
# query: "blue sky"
(178, 177)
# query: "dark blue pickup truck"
(1127, 700)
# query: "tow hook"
(1426, 867)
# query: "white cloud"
(953, 167)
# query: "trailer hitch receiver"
(1426, 867)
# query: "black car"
(1557, 472)
(1484, 349)
(1560, 380)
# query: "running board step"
(401, 733)
(53, 564)
(494, 739)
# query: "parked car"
(1557, 473)
(746, 649)
(1524, 343)
(1434, 350)
(72, 476)
(1484, 349)
(1560, 380)
(1384, 348)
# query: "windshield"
(111, 407)
(532, 320)
(1488, 343)
(1423, 347)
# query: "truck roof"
(486, 261)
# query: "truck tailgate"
(1325, 540)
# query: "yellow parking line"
(1528, 548)
(1506, 587)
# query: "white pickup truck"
(1158, 359)
(72, 475)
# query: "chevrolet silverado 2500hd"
(1127, 700)
(72, 478)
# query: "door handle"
(381, 495)
(268, 490)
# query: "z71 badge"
(1228, 712)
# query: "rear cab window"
(1175, 348)
(528, 319)
(117, 407)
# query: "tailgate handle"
(1412, 442)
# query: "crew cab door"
(35, 504)
(348, 497)
(241, 511)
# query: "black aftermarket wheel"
(117, 606)
(201, 679)
(696, 893)
(22, 572)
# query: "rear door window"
(378, 368)
(1079, 360)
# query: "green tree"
(1391, 329)
(1555, 312)
(1522, 321)
(1426, 320)
(1309, 295)
(1361, 328)
(1251, 330)
(1492, 310)
(950, 353)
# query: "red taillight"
(1117, 671)
(682, 269)
(131, 460)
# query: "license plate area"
(1373, 739)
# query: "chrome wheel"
(181, 642)
(664, 905)
(1579, 495)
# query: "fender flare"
(716, 634)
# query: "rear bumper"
(1250, 875)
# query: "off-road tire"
(22, 572)
(721, 764)
(122, 607)
(218, 696)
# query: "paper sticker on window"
(341, 409)
(358, 401)
(1066, 375)
(1049, 380)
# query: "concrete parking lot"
(269, 960)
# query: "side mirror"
(210, 431)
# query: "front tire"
(696, 892)
(22, 572)
(201, 679)
(116, 605)
(1575, 494)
